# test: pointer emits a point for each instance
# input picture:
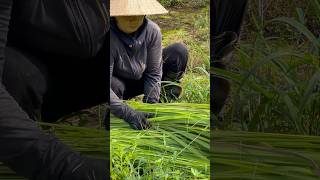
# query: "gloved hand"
(139, 120)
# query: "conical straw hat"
(135, 7)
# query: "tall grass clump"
(196, 88)
(276, 83)
(176, 147)
(263, 11)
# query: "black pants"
(175, 59)
(47, 86)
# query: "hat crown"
(135, 7)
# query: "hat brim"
(136, 8)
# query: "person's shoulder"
(153, 31)
(115, 42)
(113, 34)
(152, 26)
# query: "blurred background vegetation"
(275, 71)
(261, 11)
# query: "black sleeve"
(5, 11)
(33, 154)
(117, 107)
(153, 73)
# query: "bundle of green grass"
(264, 156)
(87, 141)
(176, 147)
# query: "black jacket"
(75, 28)
(136, 57)
(69, 27)
(79, 27)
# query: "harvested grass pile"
(177, 146)
(264, 156)
(87, 141)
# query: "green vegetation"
(190, 24)
(275, 77)
(176, 147)
(264, 156)
(191, 27)
(196, 88)
(183, 3)
(262, 11)
(276, 81)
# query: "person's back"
(50, 46)
(73, 28)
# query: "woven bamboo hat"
(135, 7)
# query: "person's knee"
(181, 48)
(175, 61)
(182, 52)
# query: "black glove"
(139, 120)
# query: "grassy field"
(188, 22)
